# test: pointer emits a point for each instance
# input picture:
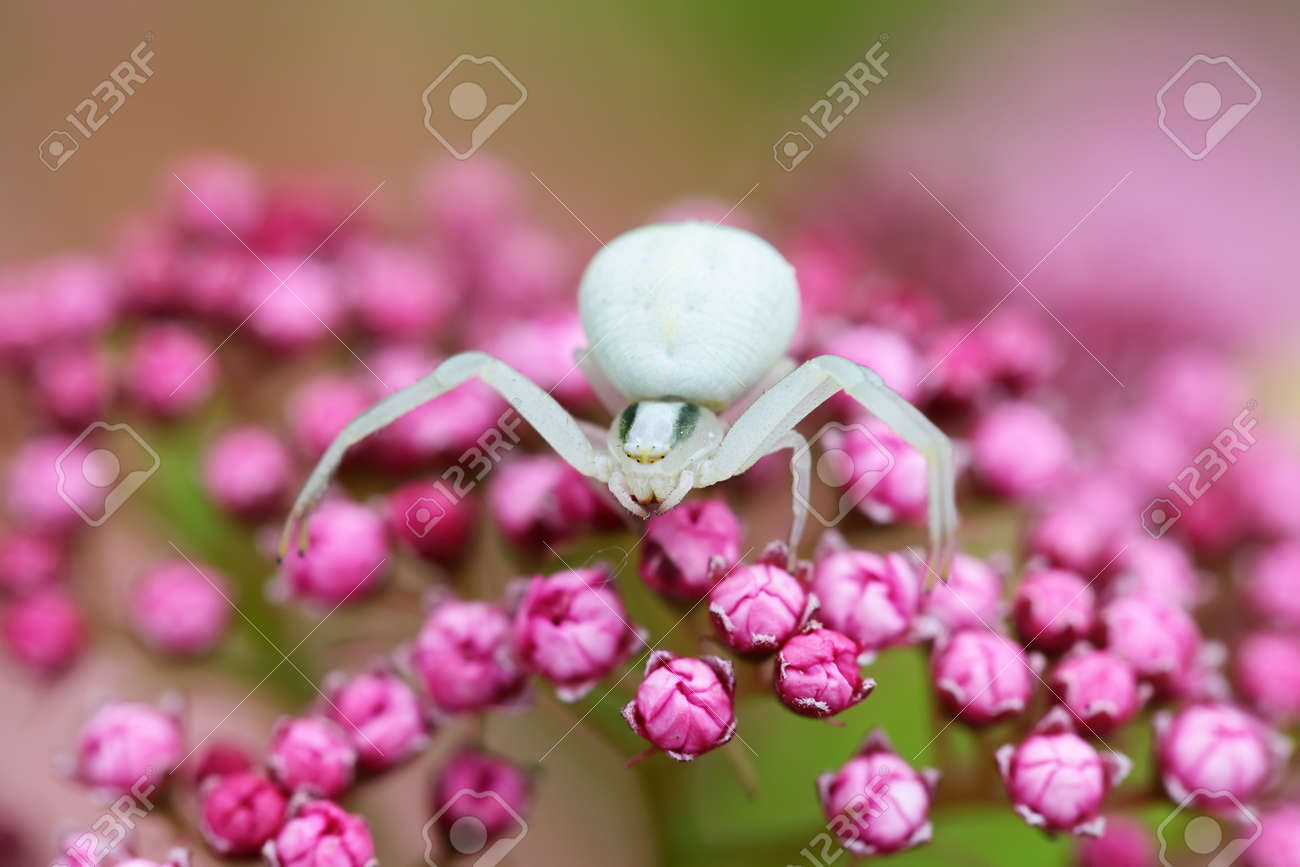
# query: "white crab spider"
(689, 324)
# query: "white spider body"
(688, 310)
(685, 320)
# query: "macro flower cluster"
(1134, 607)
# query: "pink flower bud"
(1267, 673)
(430, 520)
(755, 609)
(539, 501)
(72, 383)
(398, 293)
(1057, 781)
(1019, 451)
(145, 255)
(311, 754)
(1210, 751)
(470, 202)
(305, 211)
(1155, 637)
(982, 676)
(961, 366)
(877, 803)
(320, 408)
(380, 714)
(1279, 839)
(818, 674)
(214, 281)
(128, 747)
(322, 834)
(526, 270)
(346, 555)
(880, 463)
(1272, 586)
(971, 597)
(247, 471)
(177, 609)
(301, 312)
(684, 706)
(1266, 488)
(872, 599)
(45, 631)
(168, 371)
(1197, 390)
(572, 629)
(28, 561)
(1124, 843)
(680, 543)
(1021, 353)
(1085, 529)
(465, 657)
(1159, 568)
(240, 813)
(78, 297)
(214, 195)
(1053, 610)
(481, 791)
(543, 348)
(219, 759)
(33, 485)
(887, 352)
(1098, 687)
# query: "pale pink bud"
(1057, 780)
(169, 371)
(572, 629)
(1157, 638)
(45, 631)
(877, 803)
(971, 597)
(544, 348)
(128, 747)
(755, 609)
(240, 813)
(320, 408)
(1214, 752)
(247, 471)
(28, 561)
(684, 706)
(1124, 843)
(465, 657)
(891, 474)
(1279, 840)
(380, 714)
(398, 293)
(871, 598)
(215, 280)
(79, 297)
(470, 202)
(1266, 670)
(480, 792)
(72, 383)
(1053, 609)
(1265, 486)
(1198, 391)
(346, 556)
(541, 500)
(1272, 585)
(1098, 688)
(214, 195)
(1019, 451)
(145, 254)
(680, 543)
(982, 676)
(298, 313)
(1159, 568)
(322, 834)
(33, 485)
(1085, 529)
(311, 754)
(886, 352)
(525, 270)
(818, 674)
(430, 520)
(180, 608)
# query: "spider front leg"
(768, 421)
(538, 408)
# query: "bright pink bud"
(1272, 586)
(247, 471)
(572, 629)
(145, 255)
(543, 348)
(306, 211)
(818, 674)
(961, 366)
(320, 408)
(28, 561)
(1157, 638)
(177, 609)
(685, 706)
(322, 834)
(465, 657)
(1019, 451)
(430, 520)
(72, 383)
(525, 270)
(128, 747)
(398, 293)
(1266, 487)
(45, 631)
(755, 609)
(541, 500)
(1021, 353)
(971, 597)
(381, 714)
(470, 202)
(887, 474)
(33, 485)
(301, 312)
(214, 195)
(1124, 843)
(78, 297)
(169, 371)
(871, 598)
(1086, 527)
(1267, 673)
(1198, 391)
(346, 556)
(877, 803)
(680, 543)
(1279, 840)
(214, 281)
(219, 759)
(1214, 752)
(1098, 687)
(1159, 568)
(240, 812)
(311, 754)
(1057, 781)
(480, 791)
(982, 676)
(887, 352)
(1053, 610)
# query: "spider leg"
(618, 485)
(538, 408)
(605, 390)
(685, 482)
(779, 371)
(781, 407)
